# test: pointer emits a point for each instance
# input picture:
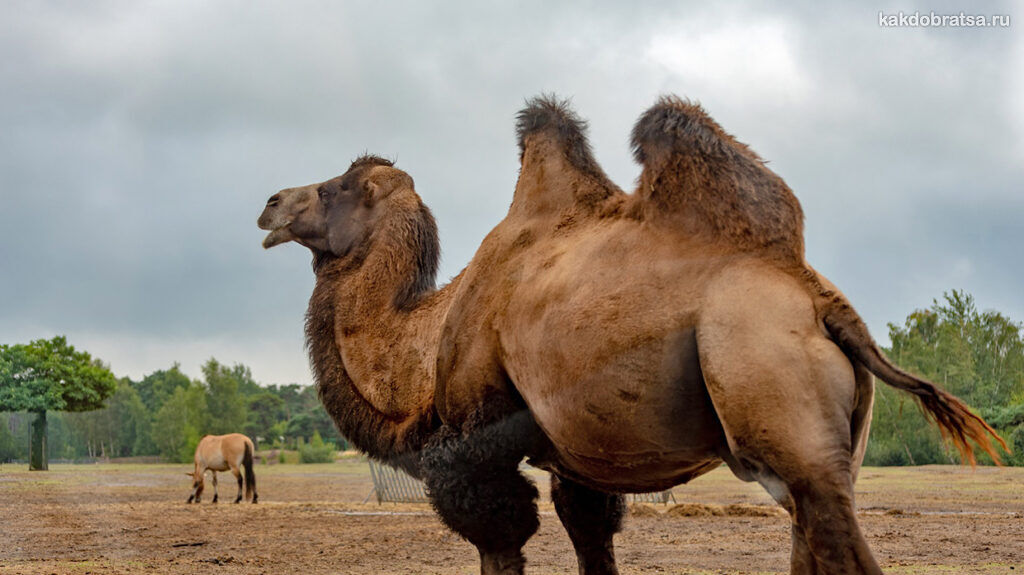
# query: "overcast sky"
(140, 141)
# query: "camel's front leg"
(591, 518)
(475, 485)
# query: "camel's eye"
(322, 192)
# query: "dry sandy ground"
(106, 519)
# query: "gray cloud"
(140, 142)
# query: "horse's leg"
(238, 476)
(591, 518)
(214, 481)
(202, 484)
(475, 486)
(791, 405)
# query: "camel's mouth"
(278, 235)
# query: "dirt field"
(105, 519)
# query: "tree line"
(166, 413)
(979, 356)
(976, 355)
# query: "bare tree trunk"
(37, 460)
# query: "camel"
(622, 342)
(223, 453)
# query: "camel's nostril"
(274, 200)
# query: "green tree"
(316, 451)
(265, 410)
(178, 425)
(157, 387)
(8, 443)
(50, 375)
(978, 356)
(119, 430)
(225, 402)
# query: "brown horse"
(221, 453)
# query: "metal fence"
(394, 485)
(655, 497)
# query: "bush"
(316, 451)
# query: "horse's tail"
(250, 477)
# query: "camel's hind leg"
(475, 485)
(790, 403)
(591, 518)
(801, 559)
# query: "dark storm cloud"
(140, 142)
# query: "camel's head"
(336, 215)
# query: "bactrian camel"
(623, 342)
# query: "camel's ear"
(381, 182)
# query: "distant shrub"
(317, 450)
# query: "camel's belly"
(599, 339)
(634, 416)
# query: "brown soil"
(106, 519)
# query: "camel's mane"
(422, 241)
(367, 159)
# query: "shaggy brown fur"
(374, 317)
(624, 342)
(654, 335)
(703, 181)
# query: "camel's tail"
(955, 420)
(250, 476)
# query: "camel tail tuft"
(957, 423)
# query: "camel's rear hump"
(700, 179)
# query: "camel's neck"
(372, 333)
